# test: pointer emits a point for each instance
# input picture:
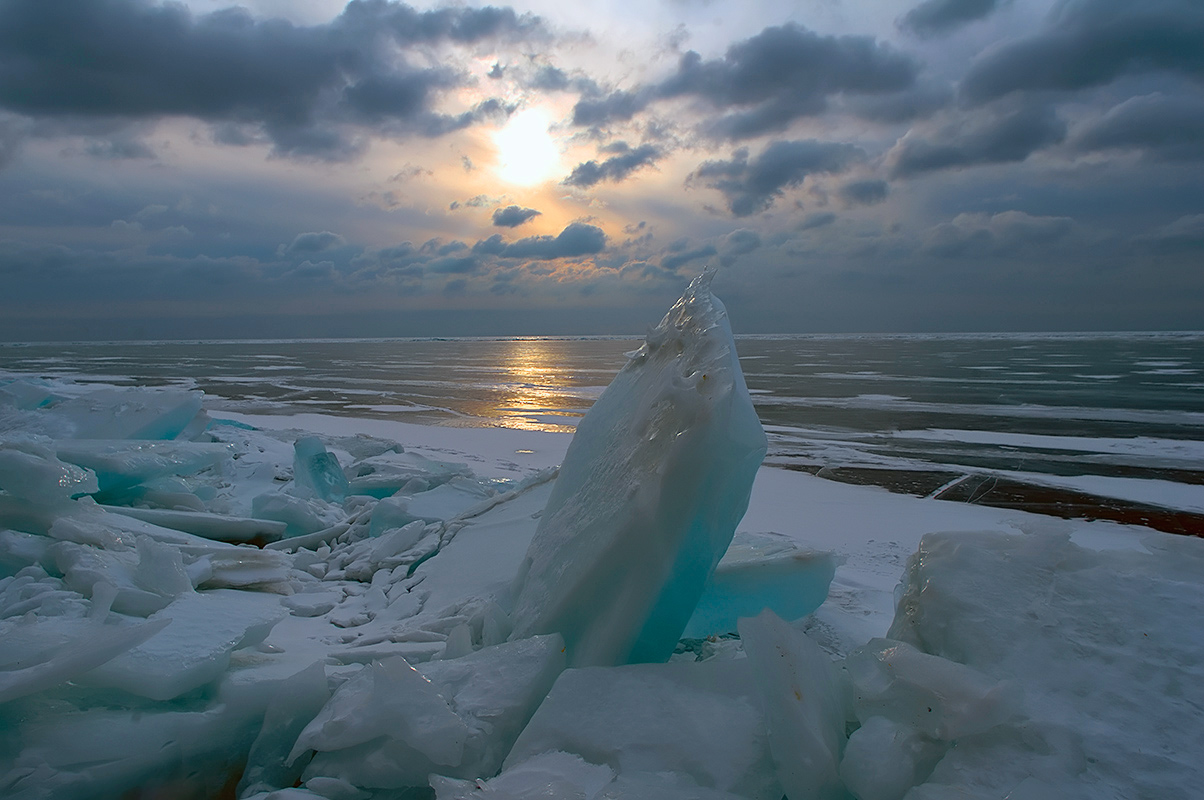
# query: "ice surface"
(649, 495)
(804, 703)
(195, 648)
(758, 572)
(1105, 644)
(219, 527)
(703, 721)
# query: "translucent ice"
(387, 726)
(121, 464)
(30, 471)
(129, 413)
(938, 697)
(316, 472)
(805, 706)
(653, 485)
(761, 571)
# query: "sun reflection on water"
(536, 393)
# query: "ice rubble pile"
(192, 607)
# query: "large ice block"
(1108, 647)
(653, 485)
(701, 722)
(804, 703)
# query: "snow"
(912, 648)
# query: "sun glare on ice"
(527, 153)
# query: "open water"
(1118, 405)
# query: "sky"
(294, 168)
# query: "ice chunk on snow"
(219, 527)
(30, 471)
(316, 472)
(25, 394)
(129, 413)
(653, 485)
(495, 690)
(700, 720)
(391, 726)
(806, 712)
(81, 647)
(298, 700)
(386, 727)
(121, 464)
(884, 759)
(757, 572)
(1107, 646)
(938, 697)
(195, 648)
(561, 775)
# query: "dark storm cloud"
(994, 137)
(133, 60)
(863, 193)
(577, 239)
(936, 17)
(616, 168)
(917, 102)
(512, 216)
(1166, 128)
(752, 186)
(767, 81)
(1093, 42)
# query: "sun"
(527, 154)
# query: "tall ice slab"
(653, 485)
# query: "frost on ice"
(193, 607)
(649, 495)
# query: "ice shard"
(653, 485)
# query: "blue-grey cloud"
(1163, 127)
(819, 220)
(616, 168)
(513, 216)
(675, 260)
(864, 192)
(1090, 43)
(765, 82)
(576, 240)
(752, 186)
(1000, 136)
(937, 17)
(130, 59)
(973, 235)
(312, 242)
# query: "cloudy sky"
(315, 168)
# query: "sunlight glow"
(527, 153)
